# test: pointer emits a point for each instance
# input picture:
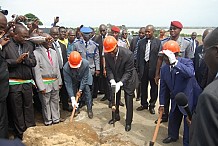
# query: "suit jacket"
(180, 79)
(4, 77)
(64, 52)
(122, 69)
(134, 43)
(99, 41)
(73, 76)
(19, 70)
(204, 126)
(153, 56)
(44, 69)
(201, 70)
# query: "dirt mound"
(65, 134)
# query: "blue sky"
(72, 13)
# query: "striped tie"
(147, 50)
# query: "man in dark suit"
(4, 84)
(201, 70)
(78, 78)
(103, 82)
(20, 59)
(194, 42)
(134, 48)
(62, 59)
(121, 73)
(147, 56)
(204, 125)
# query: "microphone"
(181, 100)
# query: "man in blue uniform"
(89, 51)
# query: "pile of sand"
(69, 134)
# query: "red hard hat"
(75, 59)
(172, 46)
(110, 44)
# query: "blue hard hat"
(86, 30)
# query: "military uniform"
(89, 51)
(185, 46)
(122, 43)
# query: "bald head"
(149, 31)
(20, 33)
(103, 29)
(54, 32)
(206, 32)
(211, 52)
(212, 38)
(3, 23)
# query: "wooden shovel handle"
(74, 109)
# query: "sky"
(132, 13)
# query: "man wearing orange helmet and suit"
(177, 75)
(77, 78)
(122, 74)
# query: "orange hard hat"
(172, 46)
(75, 59)
(110, 44)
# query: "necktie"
(19, 50)
(136, 50)
(49, 57)
(86, 44)
(147, 50)
(60, 60)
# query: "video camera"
(5, 12)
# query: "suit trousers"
(22, 112)
(144, 88)
(129, 106)
(175, 119)
(3, 120)
(63, 93)
(50, 106)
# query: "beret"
(86, 30)
(115, 29)
(177, 24)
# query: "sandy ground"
(97, 131)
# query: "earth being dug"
(69, 134)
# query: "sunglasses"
(173, 28)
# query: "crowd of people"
(66, 64)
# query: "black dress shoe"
(121, 104)
(152, 111)
(162, 120)
(141, 108)
(128, 128)
(110, 104)
(104, 98)
(90, 114)
(169, 140)
(113, 121)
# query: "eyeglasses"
(103, 30)
(206, 49)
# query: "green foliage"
(32, 17)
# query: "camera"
(5, 12)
